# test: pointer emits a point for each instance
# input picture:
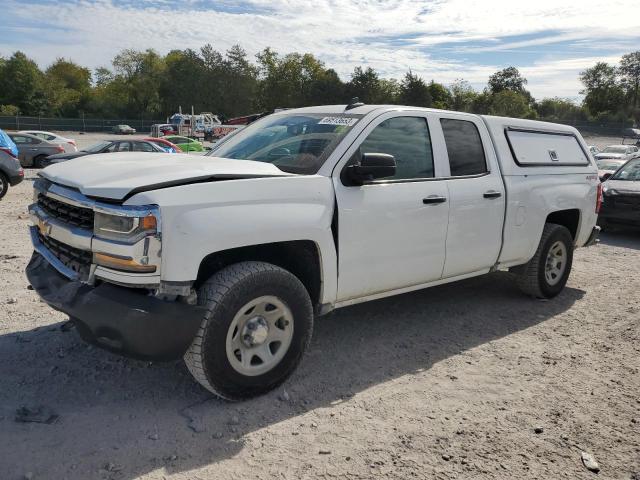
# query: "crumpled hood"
(117, 175)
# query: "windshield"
(615, 149)
(608, 165)
(630, 171)
(294, 142)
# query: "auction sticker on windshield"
(346, 121)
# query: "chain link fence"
(142, 125)
(82, 124)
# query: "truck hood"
(119, 175)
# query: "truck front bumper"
(120, 319)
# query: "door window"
(408, 140)
(124, 147)
(20, 140)
(142, 147)
(464, 146)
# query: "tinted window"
(466, 155)
(142, 147)
(19, 139)
(407, 139)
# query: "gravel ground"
(470, 380)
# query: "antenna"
(354, 103)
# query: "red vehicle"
(166, 144)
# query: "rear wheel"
(4, 184)
(546, 274)
(40, 161)
(258, 324)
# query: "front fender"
(205, 218)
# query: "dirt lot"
(450, 382)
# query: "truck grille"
(70, 214)
(77, 260)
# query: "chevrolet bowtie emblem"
(44, 227)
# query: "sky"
(550, 41)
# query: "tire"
(219, 357)
(40, 161)
(4, 185)
(535, 278)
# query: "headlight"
(124, 228)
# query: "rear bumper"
(16, 179)
(593, 238)
(123, 320)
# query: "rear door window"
(464, 147)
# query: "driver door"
(392, 232)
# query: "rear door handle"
(492, 194)
(433, 199)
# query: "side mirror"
(371, 167)
(605, 176)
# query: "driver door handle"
(492, 194)
(433, 199)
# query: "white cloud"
(343, 34)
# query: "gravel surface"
(469, 380)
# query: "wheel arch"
(569, 218)
(300, 257)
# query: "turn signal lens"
(125, 264)
(148, 223)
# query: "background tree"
(630, 74)
(440, 96)
(602, 90)
(67, 87)
(21, 85)
(414, 91)
(462, 96)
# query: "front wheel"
(546, 274)
(40, 161)
(4, 185)
(258, 324)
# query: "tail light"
(59, 149)
(72, 142)
(21, 172)
(8, 150)
(599, 198)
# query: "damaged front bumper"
(125, 320)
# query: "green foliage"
(508, 103)
(146, 84)
(414, 91)
(603, 92)
(21, 84)
(440, 96)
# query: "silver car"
(33, 151)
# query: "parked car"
(123, 130)
(619, 152)
(11, 172)
(186, 144)
(108, 146)
(34, 151)
(607, 167)
(594, 150)
(68, 144)
(166, 145)
(621, 199)
(225, 259)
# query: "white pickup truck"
(226, 259)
